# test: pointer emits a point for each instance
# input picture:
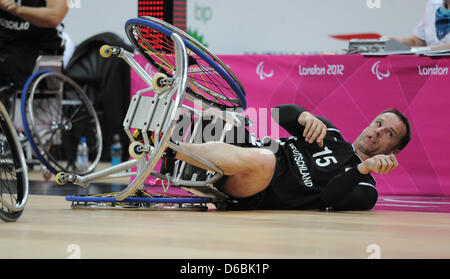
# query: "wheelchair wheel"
(209, 79)
(13, 171)
(56, 114)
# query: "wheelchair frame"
(159, 114)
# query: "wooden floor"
(49, 228)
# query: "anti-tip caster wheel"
(135, 150)
(160, 82)
(60, 178)
(106, 51)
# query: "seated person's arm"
(412, 41)
(416, 42)
(440, 47)
(49, 16)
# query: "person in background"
(432, 33)
(28, 28)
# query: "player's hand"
(381, 164)
(9, 6)
(315, 130)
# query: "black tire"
(13, 171)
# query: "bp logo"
(203, 13)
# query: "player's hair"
(403, 142)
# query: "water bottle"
(116, 151)
(82, 155)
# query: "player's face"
(382, 135)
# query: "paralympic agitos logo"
(260, 71)
(377, 73)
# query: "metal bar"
(199, 184)
(120, 175)
(86, 179)
(129, 58)
(198, 159)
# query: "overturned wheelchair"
(189, 88)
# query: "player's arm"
(300, 123)
(348, 191)
(49, 16)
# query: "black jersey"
(17, 32)
(311, 177)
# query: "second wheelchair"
(51, 114)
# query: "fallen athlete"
(314, 169)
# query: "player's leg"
(250, 170)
